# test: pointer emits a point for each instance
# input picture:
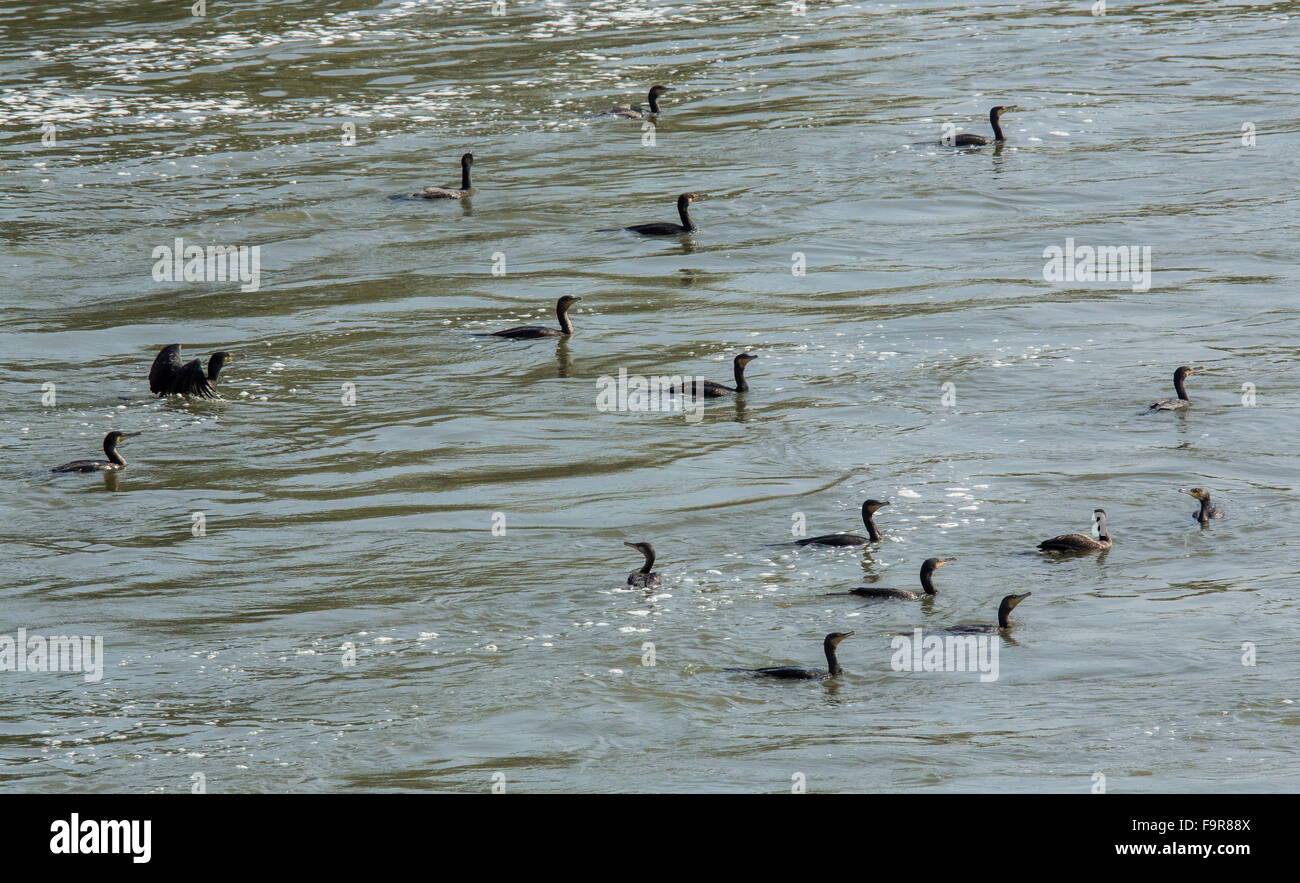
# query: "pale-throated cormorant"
(1081, 542)
(168, 377)
(113, 462)
(792, 672)
(1182, 401)
(645, 578)
(451, 192)
(927, 584)
(665, 228)
(1207, 511)
(528, 332)
(869, 509)
(636, 111)
(711, 390)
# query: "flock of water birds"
(170, 376)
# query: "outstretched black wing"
(169, 377)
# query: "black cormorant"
(168, 377)
(1004, 617)
(711, 390)
(791, 672)
(869, 509)
(645, 578)
(665, 228)
(113, 462)
(451, 192)
(636, 111)
(1182, 401)
(528, 332)
(995, 117)
(927, 584)
(1081, 542)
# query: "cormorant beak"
(845, 635)
(882, 504)
(1016, 599)
(1183, 490)
(943, 561)
(129, 434)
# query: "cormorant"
(645, 578)
(665, 228)
(451, 192)
(1182, 401)
(791, 672)
(113, 462)
(1206, 512)
(1004, 617)
(995, 116)
(869, 509)
(711, 390)
(927, 584)
(168, 377)
(636, 111)
(1081, 542)
(529, 332)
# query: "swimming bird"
(645, 578)
(530, 332)
(451, 192)
(791, 672)
(1081, 542)
(665, 228)
(168, 377)
(927, 584)
(710, 390)
(869, 509)
(1008, 604)
(995, 116)
(1182, 401)
(636, 111)
(1206, 512)
(114, 461)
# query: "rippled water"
(369, 526)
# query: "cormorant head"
(567, 301)
(1185, 370)
(686, 199)
(874, 505)
(656, 91)
(995, 112)
(1199, 493)
(1010, 602)
(217, 362)
(933, 564)
(834, 638)
(745, 358)
(644, 548)
(467, 159)
(111, 440)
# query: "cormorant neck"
(110, 451)
(737, 366)
(649, 561)
(1180, 389)
(654, 102)
(997, 127)
(562, 314)
(926, 582)
(1004, 615)
(686, 219)
(869, 519)
(832, 661)
(464, 174)
(214, 368)
(1204, 515)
